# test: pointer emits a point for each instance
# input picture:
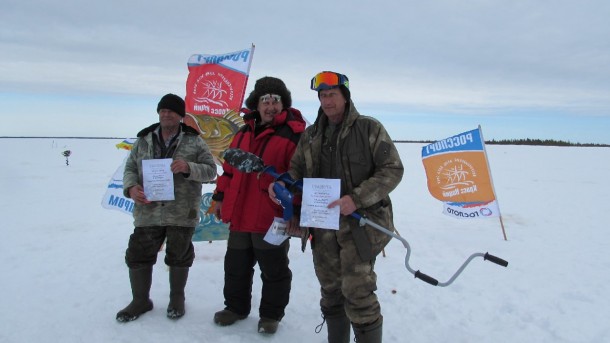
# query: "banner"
(458, 175)
(113, 198)
(214, 95)
(471, 210)
(126, 144)
(209, 228)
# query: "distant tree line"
(545, 142)
(526, 141)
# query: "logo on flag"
(214, 94)
(458, 174)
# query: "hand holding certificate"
(158, 179)
(317, 195)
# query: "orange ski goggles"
(328, 80)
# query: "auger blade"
(243, 161)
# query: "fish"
(216, 131)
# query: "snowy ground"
(64, 279)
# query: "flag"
(458, 175)
(114, 199)
(471, 210)
(126, 144)
(215, 90)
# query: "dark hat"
(268, 85)
(172, 102)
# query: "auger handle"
(495, 259)
(426, 278)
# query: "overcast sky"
(427, 69)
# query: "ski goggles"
(272, 98)
(328, 80)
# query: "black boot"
(339, 328)
(177, 282)
(141, 280)
(369, 333)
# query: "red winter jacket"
(245, 199)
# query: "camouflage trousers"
(346, 282)
(145, 243)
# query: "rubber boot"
(177, 282)
(339, 328)
(140, 280)
(369, 333)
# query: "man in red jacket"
(271, 131)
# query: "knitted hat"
(268, 85)
(172, 102)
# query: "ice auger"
(247, 162)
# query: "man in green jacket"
(172, 220)
(342, 144)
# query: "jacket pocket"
(358, 166)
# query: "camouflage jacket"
(369, 163)
(184, 210)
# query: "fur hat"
(172, 102)
(268, 85)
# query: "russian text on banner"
(458, 175)
(114, 199)
(215, 90)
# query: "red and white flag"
(215, 89)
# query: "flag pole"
(493, 188)
(243, 91)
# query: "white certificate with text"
(276, 234)
(158, 179)
(317, 194)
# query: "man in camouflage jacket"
(342, 144)
(158, 221)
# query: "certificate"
(276, 234)
(158, 179)
(317, 194)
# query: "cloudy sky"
(426, 69)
